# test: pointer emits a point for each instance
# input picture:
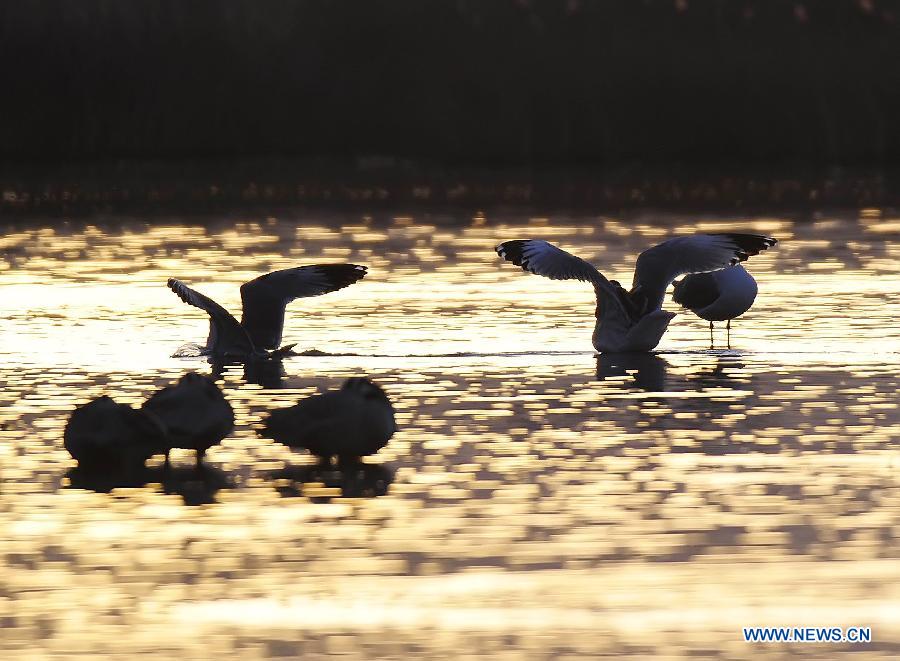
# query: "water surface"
(538, 501)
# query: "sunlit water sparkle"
(540, 501)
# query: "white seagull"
(717, 296)
(634, 320)
(264, 300)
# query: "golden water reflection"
(538, 500)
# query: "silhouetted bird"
(264, 300)
(718, 296)
(106, 435)
(349, 423)
(634, 320)
(194, 412)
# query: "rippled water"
(538, 501)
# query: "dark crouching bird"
(106, 435)
(634, 320)
(195, 414)
(717, 296)
(264, 300)
(349, 423)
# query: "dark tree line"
(478, 82)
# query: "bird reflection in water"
(681, 399)
(196, 487)
(322, 482)
(725, 372)
(648, 370)
(268, 373)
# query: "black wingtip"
(178, 288)
(343, 275)
(513, 251)
(750, 244)
(358, 271)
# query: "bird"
(195, 414)
(264, 300)
(106, 435)
(355, 421)
(633, 320)
(717, 296)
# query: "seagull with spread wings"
(264, 300)
(634, 320)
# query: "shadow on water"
(321, 483)
(677, 398)
(196, 486)
(267, 373)
(318, 482)
(650, 372)
(723, 373)
(646, 369)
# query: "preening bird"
(264, 300)
(634, 320)
(104, 434)
(349, 423)
(194, 412)
(717, 296)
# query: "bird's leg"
(167, 464)
(712, 344)
(345, 461)
(728, 328)
(200, 454)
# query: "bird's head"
(365, 388)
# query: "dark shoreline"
(272, 186)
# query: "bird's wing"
(265, 298)
(658, 266)
(311, 423)
(225, 333)
(543, 258)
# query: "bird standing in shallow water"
(634, 320)
(264, 300)
(349, 423)
(106, 435)
(718, 296)
(195, 414)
